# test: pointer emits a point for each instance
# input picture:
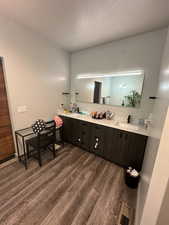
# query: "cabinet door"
(67, 129)
(76, 132)
(125, 148)
(85, 130)
(64, 128)
(116, 146)
(98, 140)
(135, 154)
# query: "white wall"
(155, 176)
(159, 181)
(163, 217)
(139, 52)
(36, 73)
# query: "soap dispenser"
(148, 121)
(129, 119)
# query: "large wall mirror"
(118, 89)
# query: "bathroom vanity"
(121, 144)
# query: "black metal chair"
(42, 141)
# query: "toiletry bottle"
(129, 119)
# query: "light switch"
(22, 109)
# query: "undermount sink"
(128, 126)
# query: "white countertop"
(109, 123)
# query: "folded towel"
(58, 121)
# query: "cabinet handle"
(96, 145)
(97, 128)
(120, 134)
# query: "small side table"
(23, 134)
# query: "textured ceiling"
(78, 24)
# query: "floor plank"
(76, 188)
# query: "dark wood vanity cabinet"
(77, 132)
(118, 146)
(125, 148)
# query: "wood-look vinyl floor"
(76, 188)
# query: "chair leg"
(27, 150)
(39, 157)
(54, 152)
(61, 136)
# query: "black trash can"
(131, 181)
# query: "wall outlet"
(22, 109)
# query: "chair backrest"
(49, 132)
(50, 124)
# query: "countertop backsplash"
(120, 112)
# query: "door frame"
(2, 61)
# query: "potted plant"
(133, 99)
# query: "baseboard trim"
(136, 222)
(3, 161)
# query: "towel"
(58, 121)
